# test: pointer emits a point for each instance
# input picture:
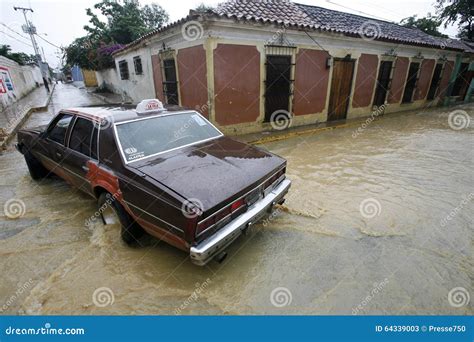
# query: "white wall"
(24, 78)
(109, 78)
(137, 87)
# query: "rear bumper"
(207, 249)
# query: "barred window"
(123, 69)
(137, 63)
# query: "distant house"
(244, 62)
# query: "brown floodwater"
(364, 230)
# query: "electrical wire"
(19, 34)
(316, 42)
(361, 12)
(15, 38)
(47, 41)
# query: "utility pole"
(31, 30)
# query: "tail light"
(233, 210)
(222, 216)
(274, 178)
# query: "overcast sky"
(60, 21)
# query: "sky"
(61, 21)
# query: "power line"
(361, 12)
(19, 34)
(47, 41)
(16, 39)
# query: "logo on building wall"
(6, 83)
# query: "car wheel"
(112, 212)
(37, 170)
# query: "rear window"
(147, 137)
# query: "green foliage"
(460, 12)
(202, 8)
(428, 24)
(19, 57)
(125, 22)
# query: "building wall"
(445, 77)
(230, 59)
(138, 86)
(424, 80)
(90, 80)
(193, 78)
(108, 78)
(365, 80)
(17, 80)
(398, 80)
(311, 82)
(236, 84)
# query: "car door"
(81, 151)
(52, 149)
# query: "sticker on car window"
(198, 120)
(130, 150)
(133, 153)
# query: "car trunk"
(214, 172)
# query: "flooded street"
(378, 222)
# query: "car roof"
(121, 112)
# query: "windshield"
(143, 138)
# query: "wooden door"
(435, 81)
(412, 81)
(170, 84)
(341, 84)
(383, 82)
(277, 85)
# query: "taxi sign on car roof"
(149, 105)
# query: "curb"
(9, 136)
(301, 132)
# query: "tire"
(130, 231)
(37, 170)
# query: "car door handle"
(85, 168)
(59, 155)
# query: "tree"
(460, 12)
(19, 57)
(202, 8)
(154, 16)
(428, 24)
(125, 22)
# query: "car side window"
(82, 137)
(58, 132)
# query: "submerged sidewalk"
(12, 117)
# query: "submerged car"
(166, 171)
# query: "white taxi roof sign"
(149, 105)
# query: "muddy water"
(400, 257)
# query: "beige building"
(247, 64)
